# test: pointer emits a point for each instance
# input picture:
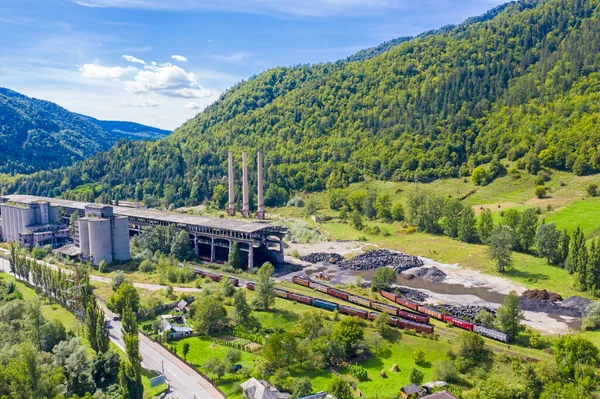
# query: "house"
(180, 332)
(440, 395)
(411, 391)
(182, 305)
(255, 389)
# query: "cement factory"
(102, 232)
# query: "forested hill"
(37, 134)
(521, 82)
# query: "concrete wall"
(120, 238)
(84, 238)
(100, 240)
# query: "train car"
(300, 298)
(413, 325)
(350, 311)
(384, 308)
(301, 281)
(431, 312)
(407, 303)
(414, 316)
(319, 303)
(235, 281)
(337, 293)
(467, 325)
(281, 293)
(388, 295)
(359, 300)
(373, 315)
(214, 277)
(491, 333)
(250, 286)
(318, 287)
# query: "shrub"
(147, 266)
(540, 191)
(359, 372)
(233, 355)
(416, 376)
(419, 357)
(592, 190)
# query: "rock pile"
(553, 308)
(409, 293)
(464, 312)
(431, 274)
(542, 295)
(323, 257)
(382, 258)
(577, 302)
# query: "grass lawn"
(150, 392)
(584, 213)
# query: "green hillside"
(521, 83)
(37, 134)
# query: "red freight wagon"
(421, 318)
(318, 287)
(347, 310)
(373, 315)
(300, 281)
(413, 325)
(250, 286)
(300, 298)
(388, 295)
(337, 293)
(431, 312)
(407, 303)
(459, 322)
(235, 281)
(385, 308)
(281, 293)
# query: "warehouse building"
(33, 223)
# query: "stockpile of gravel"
(431, 274)
(382, 258)
(464, 312)
(323, 257)
(547, 306)
(409, 293)
(577, 302)
(542, 295)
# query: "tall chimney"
(231, 207)
(245, 202)
(260, 213)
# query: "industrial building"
(102, 236)
(32, 223)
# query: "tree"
(467, 232)
(96, 327)
(280, 349)
(501, 244)
(311, 207)
(301, 387)
(368, 205)
(592, 317)
(485, 318)
(105, 369)
(452, 211)
(348, 332)
(510, 315)
(125, 294)
(547, 242)
(117, 278)
(357, 221)
(577, 259)
(180, 248)
(445, 370)
(311, 324)
(416, 376)
(592, 278)
(210, 315)
(485, 225)
(216, 366)
(383, 207)
(186, 350)
(540, 191)
(227, 287)
(592, 190)
(383, 278)
(526, 229)
(240, 314)
(470, 350)
(572, 352)
(73, 220)
(233, 355)
(480, 176)
(419, 357)
(131, 369)
(425, 210)
(398, 212)
(382, 324)
(265, 296)
(236, 259)
(340, 389)
(220, 196)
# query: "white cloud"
(238, 56)
(179, 58)
(192, 106)
(95, 71)
(140, 103)
(168, 80)
(131, 58)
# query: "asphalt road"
(183, 381)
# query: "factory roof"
(172, 217)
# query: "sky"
(160, 62)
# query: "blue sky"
(160, 62)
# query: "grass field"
(584, 213)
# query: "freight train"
(346, 310)
(216, 277)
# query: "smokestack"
(245, 202)
(260, 213)
(231, 207)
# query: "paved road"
(184, 382)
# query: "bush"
(592, 190)
(233, 355)
(419, 357)
(118, 278)
(416, 376)
(147, 266)
(540, 191)
(359, 372)
(445, 370)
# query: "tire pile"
(464, 312)
(409, 293)
(541, 295)
(382, 258)
(323, 257)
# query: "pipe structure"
(245, 202)
(231, 207)
(260, 213)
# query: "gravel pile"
(577, 302)
(553, 308)
(431, 274)
(409, 293)
(464, 312)
(323, 257)
(382, 258)
(542, 295)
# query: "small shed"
(180, 332)
(411, 391)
